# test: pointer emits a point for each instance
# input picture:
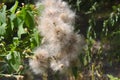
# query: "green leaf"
(3, 15)
(21, 29)
(111, 77)
(29, 20)
(78, 4)
(13, 9)
(36, 37)
(22, 14)
(8, 57)
(3, 29)
(15, 41)
(14, 60)
(12, 17)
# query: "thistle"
(61, 44)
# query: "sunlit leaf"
(20, 29)
(13, 9)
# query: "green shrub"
(18, 37)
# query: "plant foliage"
(18, 36)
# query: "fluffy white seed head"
(61, 44)
(39, 61)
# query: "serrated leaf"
(3, 29)
(13, 9)
(3, 15)
(12, 17)
(20, 29)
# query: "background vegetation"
(97, 20)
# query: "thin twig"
(18, 77)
